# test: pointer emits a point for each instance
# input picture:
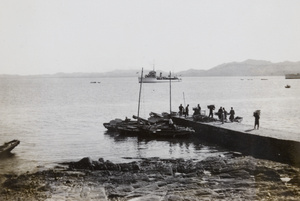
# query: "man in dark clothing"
(225, 114)
(232, 113)
(256, 123)
(187, 110)
(211, 108)
(180, 109)
(199, 108)
(220, 112)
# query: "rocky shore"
(226, 177)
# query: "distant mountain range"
(245, 68)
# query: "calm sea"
(60, 119)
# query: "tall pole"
(141, 82)
(183, 100)
(170, 95)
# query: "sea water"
(61, 119)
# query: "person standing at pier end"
(232, 113)
(256, 115)
(187, 110)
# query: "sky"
(50, 36)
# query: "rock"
(85, 163)
(129, 166)
(125, 188)
(111, 166)
(149, 197)
(101, 160)
(236, 154)
(174, 198)
(98, 165)
(203, 192)
(161, 183)
(240, 173)
(268, 175)
(295, 180)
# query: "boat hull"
(8, 146)
(292, 76)
(158, 80)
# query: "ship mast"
(153, 65)
(138, 114)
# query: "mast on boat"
(138, 114)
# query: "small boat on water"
(8, 146)
(151, 77)
(292, 76)
(288, 86)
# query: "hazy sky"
(49, 36)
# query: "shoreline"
(226, 177)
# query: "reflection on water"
(143, 147)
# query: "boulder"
(85, 163)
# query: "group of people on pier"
(184, 111)
(222, 113)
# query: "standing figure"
(187, 110)
(232, 113)
(199, 108)
(256, 115)
(211, 108)
(220, 112)
(225, 114)
(180, 110)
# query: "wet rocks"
(226, 177)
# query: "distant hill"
(245, 68)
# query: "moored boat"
(292, 76)
(161, 125)
(113, 124)
(166, 130)
(8, 146)
(130, 128)
(151, 77)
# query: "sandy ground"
(226, 177)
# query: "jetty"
(270, 144)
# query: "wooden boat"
(166, 130)
(113, 124)
(130, 128)
(158, 125)
(8, 146)
(287, 86)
